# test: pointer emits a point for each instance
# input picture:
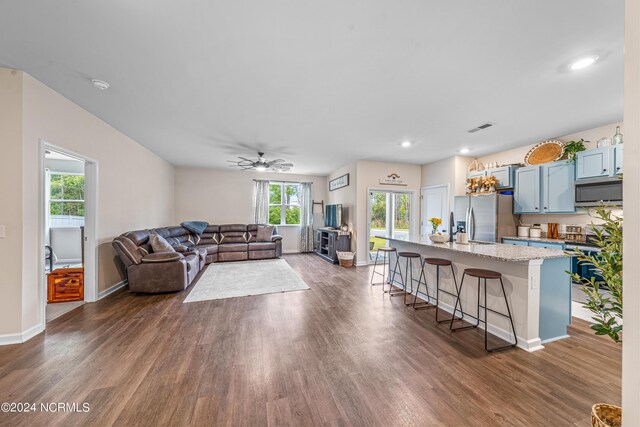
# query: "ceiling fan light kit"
(261, 164)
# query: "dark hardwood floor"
(340, 353)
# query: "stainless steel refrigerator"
(485, 217)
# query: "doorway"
(435, 204)
(389, 214)
(68, 212)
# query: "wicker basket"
(603, 415)
(346, 258)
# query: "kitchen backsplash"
(582, 218)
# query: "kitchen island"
(536, 283)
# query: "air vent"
(481, 127)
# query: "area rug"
(239, 279)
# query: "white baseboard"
(292, 251)
(527, 345)
(19, 338)
(112, 289)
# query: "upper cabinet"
(476, 174)
(558, 187)
(547, 188)
(618, 151)
(597, 163)
(503, 174)
(526, 192)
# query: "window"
(66, 196)
(284, 203)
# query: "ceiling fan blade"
(245, 159)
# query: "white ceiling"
(324, 83)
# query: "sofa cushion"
(262, 246)
(264, 233)
(160, 244)
(127, 250)
(233, 247)
(162, 257)
(232, 236)
(138, 237)
(211, 249)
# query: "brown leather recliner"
(149, 272)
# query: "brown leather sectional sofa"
(149, 272)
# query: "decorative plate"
(547, 151)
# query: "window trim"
(283, 206)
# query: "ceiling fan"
(261, 164)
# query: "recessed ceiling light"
(99, 84)
(583, 62)
(464, 150)
(406, 144)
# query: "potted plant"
(606, 308)
(571, 148)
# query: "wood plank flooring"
(341, 353)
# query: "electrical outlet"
(2, 235)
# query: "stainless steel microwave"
(592, 192)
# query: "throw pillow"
(160, 244)
(264, 233)
(196, 227)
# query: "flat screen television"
(333, 216)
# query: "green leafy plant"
(607, 309)
(571, 148)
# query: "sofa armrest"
(181, 248)
(162, 257)
(276, 237)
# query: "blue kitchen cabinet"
(526, 198)
(476, 174)
(618, 151)
(593, 163)
(547, 245)
(558, 187)
(515, 242)
(504, 175)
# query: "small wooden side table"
(65, 284)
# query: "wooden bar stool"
(485, 274)
(438, 262)
(385, 258)
(407, 279)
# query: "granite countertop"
(496, 251)
(537, 239)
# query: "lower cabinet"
(515, 242)
(534, 244)
(330, 242)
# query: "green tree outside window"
(66, 195)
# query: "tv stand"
(329, 242)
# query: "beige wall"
(447, 172)
(11, 206)
(631, 346)
(226, 197)
(135, 187)
(368, 178)
(347, 197)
